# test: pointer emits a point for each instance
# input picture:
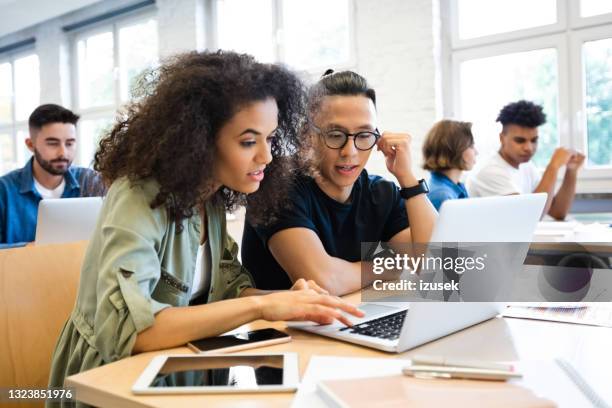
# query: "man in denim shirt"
(47, 174)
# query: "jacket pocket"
(171, 290)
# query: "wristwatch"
(409, 192)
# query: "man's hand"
(396, 148)
(561, 157)
(576, 161)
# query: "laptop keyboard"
(386, 327)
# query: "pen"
(452, 362)
(430, 371)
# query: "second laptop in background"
(67, 219)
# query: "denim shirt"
(19, 200)
(441, 188)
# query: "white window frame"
(312, 73)
(113, 25)
(555, 41)
(577, 21)
(578, 89)
(458, 43)
(15, 126)
(567, 35)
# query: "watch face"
(425, 186)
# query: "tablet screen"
(224, 371)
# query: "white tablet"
(190, 374)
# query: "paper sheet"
(593, 314)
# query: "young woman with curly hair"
(161, 269)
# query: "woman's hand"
(306, 304)
(303, 284)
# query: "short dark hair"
(445, 143)
(51, 113)
(343, 83)
(522, 113)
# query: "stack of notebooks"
(339, 382)
(401, 391)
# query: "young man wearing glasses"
(338, 205)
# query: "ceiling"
(18, 14)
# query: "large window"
(478, 18)
(307, 35)
(557, 54)
(19, 96)
(110, 59)
(491, 82)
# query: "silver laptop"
(399, 326)
(66, 219)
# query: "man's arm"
(421, 214)
(547, 184)
(422, 217)
(300, 252)
(3, 218)
(562, 202)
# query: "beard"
(48, 165)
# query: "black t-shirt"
(375, 212)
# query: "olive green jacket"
(136, 265)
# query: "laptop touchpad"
(371, 309)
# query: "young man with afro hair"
(510, 170)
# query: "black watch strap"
(409, 192)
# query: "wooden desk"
(587, 348)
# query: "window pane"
(478, 18)
(27, 86)
(7, 153)
(137, 52)
(488, 84)
(595, 7)
(23, 153)
(597, 63)
(247, 26)
(6, 94)
(90, 133)
(95, 59)
(313, 38)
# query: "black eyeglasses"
(336, 139)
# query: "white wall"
(395, 52)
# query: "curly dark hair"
(522, 113)
(169, 134)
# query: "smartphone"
(241, 341)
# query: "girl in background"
(448, 151)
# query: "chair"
(38, 287)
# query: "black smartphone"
(240, 341)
